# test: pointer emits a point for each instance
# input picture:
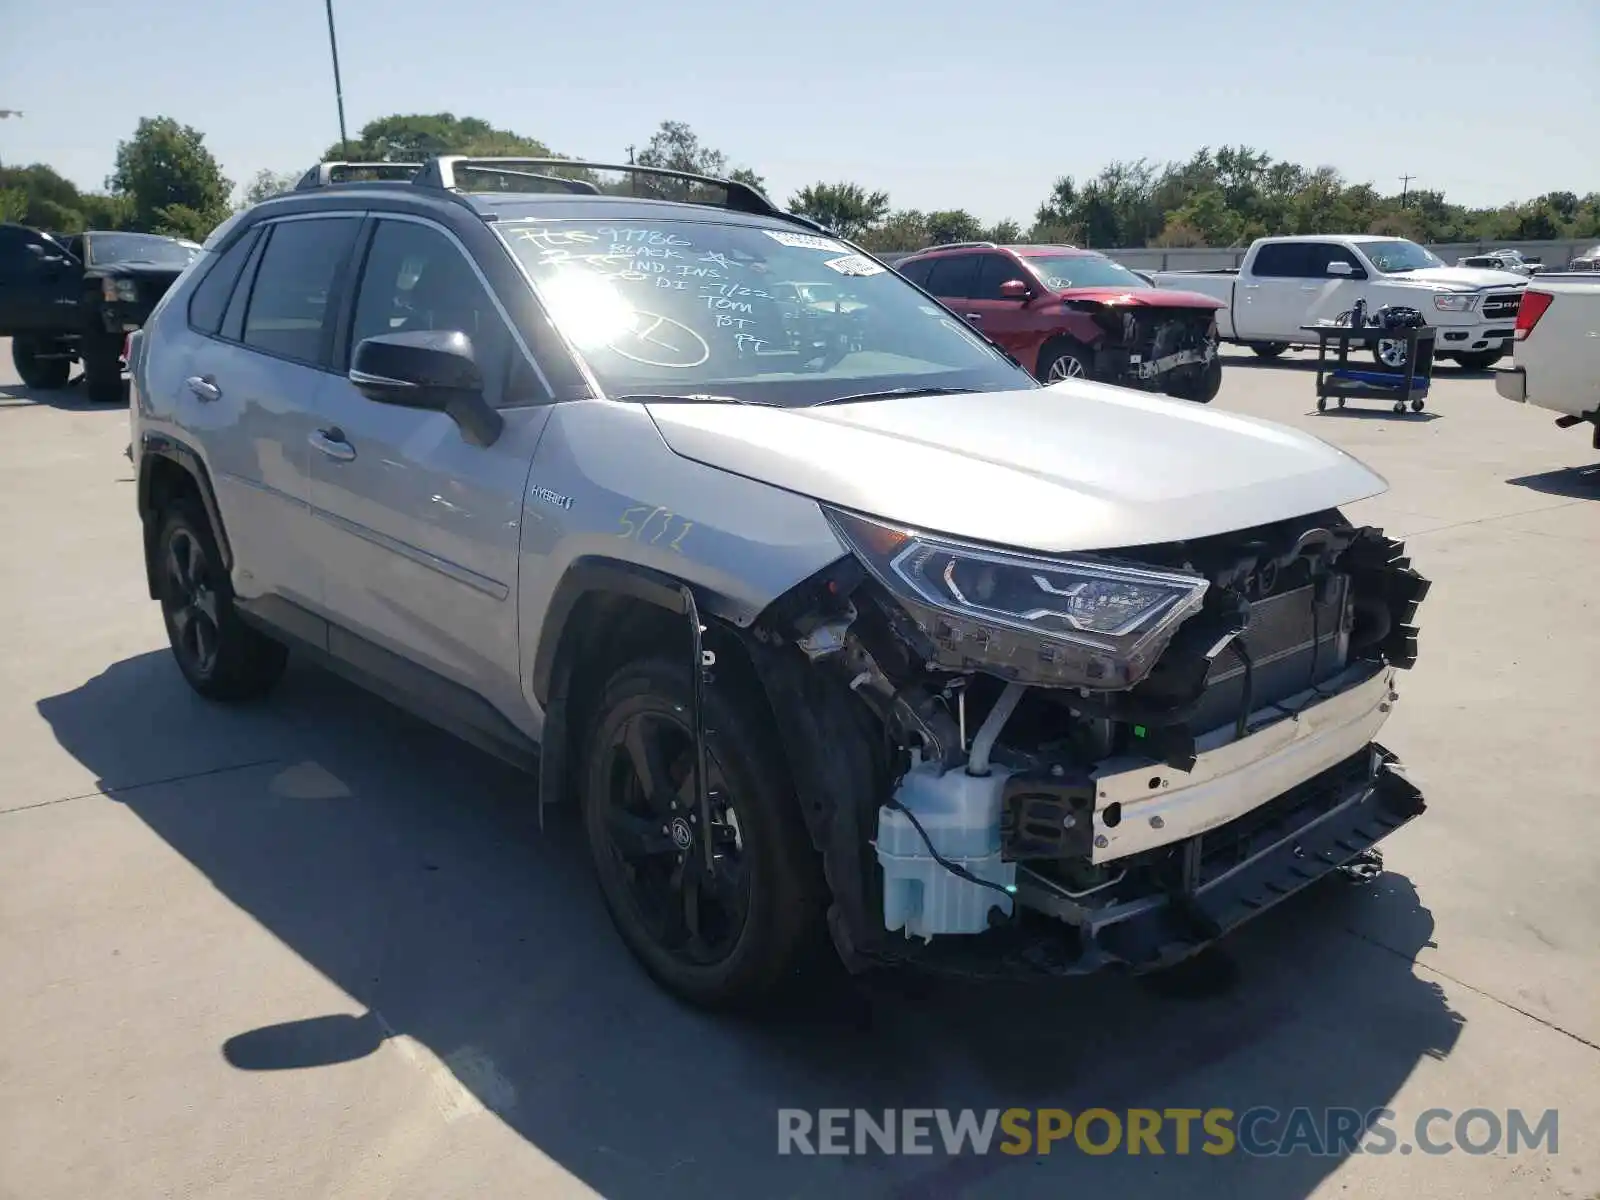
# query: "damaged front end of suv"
(1014, 763)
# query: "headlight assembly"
(1066, 622)
(113, 290)
(1455, 302)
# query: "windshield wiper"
(894, 393)
(685, 398)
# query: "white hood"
(1461, 279)
(1076, 466)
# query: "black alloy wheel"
(693, 911)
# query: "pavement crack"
(144, 783)
(1456, 979)
(1521, 512)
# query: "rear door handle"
(974, 316)
(331, 442)
(204, 386)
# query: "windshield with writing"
(1060, 271)
(1390, 257)
(769, 316)
(107, 248)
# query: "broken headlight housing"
(1058, 621)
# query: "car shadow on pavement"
(411, 871)
(72, 398)
(1581, 483)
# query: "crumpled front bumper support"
(1325, 823)
(1176, 926)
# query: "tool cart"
(1400, 381)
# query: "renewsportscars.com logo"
(1260, 1131)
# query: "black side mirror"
(429, 369)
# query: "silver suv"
(827, 619)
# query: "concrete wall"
(1555, 255)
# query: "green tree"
(846, 208)
(166, 165)
(905, 229)
(413, 137)
(265, 184)
(181, 221)
(13, 204)
(953, 225)
(1004, 233)
(749, 178)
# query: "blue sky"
(941, 103)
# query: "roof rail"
(963, 246)
(442, 171)
(329, 173)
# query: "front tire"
(220, 656)
(721, 938)
(1480, 361)
(1203, 386)
(1269, 349)
(46, 374)
(1392, 353)
(1065, 360)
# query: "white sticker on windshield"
(806, 241)
(855, 264)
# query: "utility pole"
(338, 87)
(1405, 188)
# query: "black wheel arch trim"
(164, 446)
(588, 575)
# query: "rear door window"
(954, 275)
(917, 271)
(1282, 260)
(293, 299)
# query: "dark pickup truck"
(66, 298)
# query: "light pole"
(338, 87)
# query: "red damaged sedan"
(1066, 313)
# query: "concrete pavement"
(314, 948)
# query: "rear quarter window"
(210, 297)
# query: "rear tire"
(220, 656)
(1268, 349)
(102, 368)
(730, 938)
(1480, 361)
(46, 374)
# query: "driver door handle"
(974, 316)
(332, 443)
(204, 386)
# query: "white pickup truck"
(1556, 364)
(1287, 282)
